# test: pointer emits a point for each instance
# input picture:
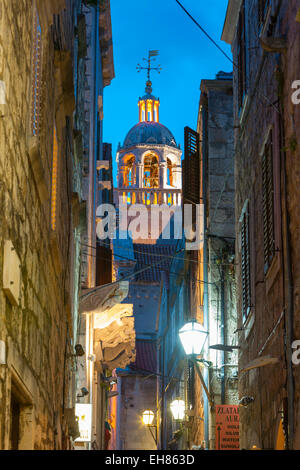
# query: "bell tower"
(149, 174)
(149, 161)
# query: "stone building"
(264, 36)
(215, 129)
(40, 191)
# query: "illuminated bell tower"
(149, 161)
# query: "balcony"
(149, 196)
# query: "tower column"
(177, 176)
(163, 175)
(139, 180)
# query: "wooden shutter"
(36, 70)
(241, 41)
(246, 277)
(191, 167)
(268, 202)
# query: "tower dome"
(149, 132)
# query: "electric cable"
(158, 254)
(206, 34)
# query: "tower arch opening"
(130, 170)
(169, 172)
(151, 170)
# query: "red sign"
(227, 427)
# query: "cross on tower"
(151, 57)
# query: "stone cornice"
(207, 85)
(47, 9)
(149, 147)
(231, 20)
(106, 44)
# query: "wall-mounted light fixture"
(178, 409)
(148, 417)
(193, 336)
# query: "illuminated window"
(54, 181)
(36, 70)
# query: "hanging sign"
(227, 427)
(83, 411)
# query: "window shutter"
(268, 203)
(191, 166)
(36, 79)
(246, 278)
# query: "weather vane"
(151, 57)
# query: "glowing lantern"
(192, 336)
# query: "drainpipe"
(223, 333)
(205, 273)
(289, 291)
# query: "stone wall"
(37, 328)
(270, 74)
(218, 155)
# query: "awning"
(100, 298)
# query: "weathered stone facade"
(215, 126)
(270, 65)
(38, 218)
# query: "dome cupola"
(148, 106)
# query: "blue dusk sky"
(185, 54)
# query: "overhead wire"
(162, 255)
(205, 32)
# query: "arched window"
(151, 174)
(130, 171)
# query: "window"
(54, 181)
(241, 51)
(36, 70)
(268, 202)
(245, 255)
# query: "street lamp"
(178, 409)
(148, 417)
(192, 336)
